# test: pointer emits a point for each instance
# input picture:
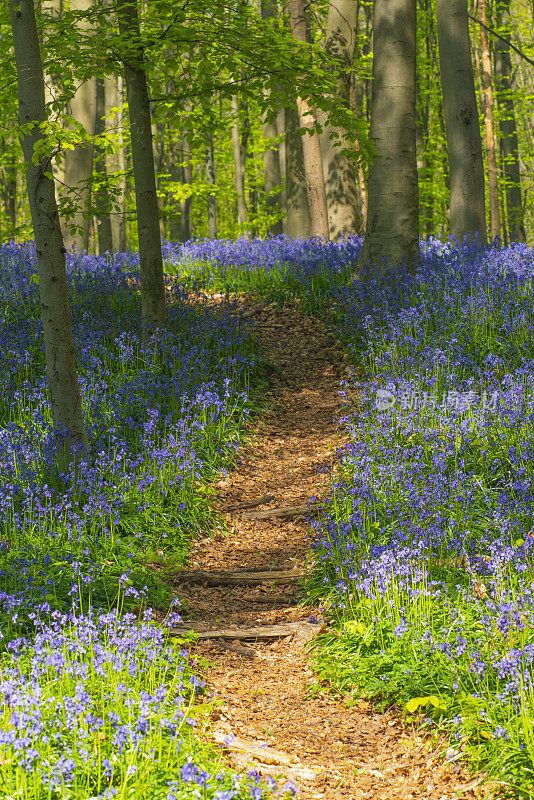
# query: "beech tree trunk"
(273, 176)
(507, 125)
(187, 177)
(489, 125)
(53, 10)
(357, 96)
(78, 163)
(239, 168)
(392, 230)
(282, 195)
(311, 147)
(464, 144)
(338, 168)
(115, 162)
(298, 222)
(427, 210)
(105, 240)
(150, 257)
(177, 151)
(62, 379)
(272, 157)
(356, 101)
(158, 148)
(212, 202)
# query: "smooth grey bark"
(187, 177)
(272, 157)
(61, 375)
(239, 168)
(357, 88)
(311, 147)
(158, 146)
(115, 162)
(339, 168)
(105, 239)
(174, 157)
(273, 176)
(181, 170)
(464, 142)
(489, 124)
(53, 9)
(427, 209)
(507, 124)
(212, 202)
(298, 210)
(78, 163)
(392, 230)
(281, 133)
(358, 102)
(150, 257)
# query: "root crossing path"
(269, 719)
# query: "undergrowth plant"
(96, 701)
(425, 553)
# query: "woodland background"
(223, 81)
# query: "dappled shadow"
(338, 752)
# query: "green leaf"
(422, 702)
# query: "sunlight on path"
(329, 747)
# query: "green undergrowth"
(424, 556)
(97, 699)
(280, 284)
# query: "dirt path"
(328, 749)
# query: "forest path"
(327, 748)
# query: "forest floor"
(270, 719)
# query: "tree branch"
(506, 41)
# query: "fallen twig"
(267, 498)
(237, 578)
(248, 652)
(261, 632)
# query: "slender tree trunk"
(392, 231)
(212, 202)
(158, 146)
(78, 163)
(339, 168)
(464, 144)
(298, 222)
(239, 169)
(273, 176)
(272, 156)
(282, 196)
(62, 379)
(429, 157)
(8, 187)
(502, 195)
(489, 125)
(507, 125)
(357, 90)
(179, 218)
(150, 257)
(105, 240)
(115, 163)
(187, 177)
(311, 147)
(53, 10)
(248, 159)
(174, 167)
